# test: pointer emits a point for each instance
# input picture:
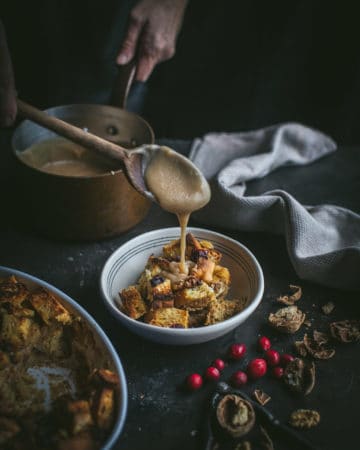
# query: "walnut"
(296, 293)
(304, 418)
(299, 376)
(287, 320)
(300, 348)
(261, 396)
(235, 415)
(345, 331)
(328, 307)
(317, 346)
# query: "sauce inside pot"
(59, 156)
(179, 187)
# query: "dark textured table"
(161, 415)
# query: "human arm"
(151, 34)
(7, 83)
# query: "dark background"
(239, 64)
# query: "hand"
(151, 35)
(7, 84)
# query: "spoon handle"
(72, 132)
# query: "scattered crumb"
(307, 323)
(261, 396)
(193, 433)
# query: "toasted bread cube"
(80, 416)
(160, 294)
(220, 282)
(104, 377)
(104, 408)
(18, 331)
(156, 264)
(197, 318)
(168, 318)
(4, 360)
(142, 285)
(172, 250)
(133, 304)
(197, 297)
(49, 308)
(12, 291)
(224, 309)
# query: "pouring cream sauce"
(179, 187)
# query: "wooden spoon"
(133, 160)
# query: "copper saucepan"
(93, 207)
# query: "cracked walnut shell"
(235, 415)
(345, 331)
(287, 320)
(299, 376)
(294, 296)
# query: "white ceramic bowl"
(125, 265)
(101, 341)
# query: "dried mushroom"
(304, 418)
(345, 331)
(299, 376)
(235, 415)
(328, 307)
(287, 320)
(294, 296)
(317, 347)
(261, 396)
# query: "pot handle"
(122, 83)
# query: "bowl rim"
(121, 416)
(198, 331)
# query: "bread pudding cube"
(168, 318)
(132, 304)
(48, 307)
(197, 297)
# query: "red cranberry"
(237, 351)
(277, 372)
(264, 343)
(257, 368)
(272, 357)
(194, 381)
(219, 364)
(212, 373)
(285, 359)
(238, 378)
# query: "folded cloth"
(323, 241)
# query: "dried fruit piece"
(287, 320)
(294, 296)
(346, 330)
(257, 368)
(266, 440)
(261, 396)
(212, 373)
(238, 378)
(317, 346)
(264, 343)
(237, 351)
(235, 415)
(299, 376)
(194, 381)
(304, 418)
(328, 307)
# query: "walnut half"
(235, 415)
(287, 320)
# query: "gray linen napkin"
(323, 241)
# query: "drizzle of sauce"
(179, 187)
(59, 156)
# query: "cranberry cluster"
(256, 368)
